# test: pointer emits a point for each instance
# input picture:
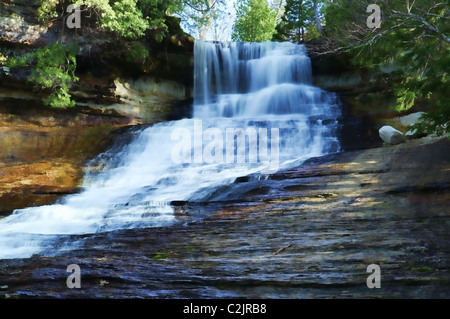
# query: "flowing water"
(255, 112)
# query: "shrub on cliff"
(53, 71)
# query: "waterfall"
(255, 112)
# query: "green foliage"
(156, 12)
(300, 21)
(18, 61)
(137, 53)
(312, 32)
(255, 21)
(122, 17)
(126, 20)
(54, 70)
(131, 18)
(341, 16)
(296, 15)
(47, 10)
(281, 34)
(414, 37)
(166, 254)
(420, 268)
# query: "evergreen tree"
(297, 15)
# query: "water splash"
(262, 86)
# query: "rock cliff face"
(43, 150)
(366, 96)
(101, 61)
(19, 25)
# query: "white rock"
(391, 136)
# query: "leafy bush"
(54, 70)
(47, 10)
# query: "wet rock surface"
(43, 152)
(309, 232)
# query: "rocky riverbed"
(309, 232)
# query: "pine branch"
(424, 22)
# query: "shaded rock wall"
(367, 98)
(103, 59)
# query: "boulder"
(391, 136)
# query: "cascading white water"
(260, 92)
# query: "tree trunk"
(300, 21)
(317, 16)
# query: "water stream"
(255, 112)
